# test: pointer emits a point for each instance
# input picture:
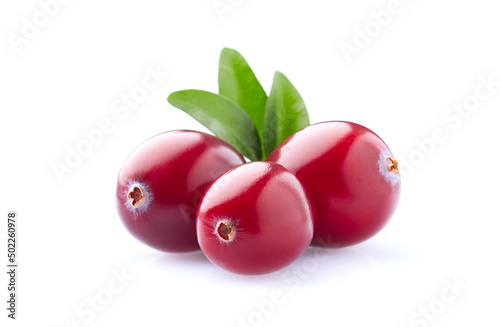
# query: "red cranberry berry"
(162, 181)
(351, 175)
(255, 219)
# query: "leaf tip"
(171, 97)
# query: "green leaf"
(237, 81)
(286, 113)
(221, 116)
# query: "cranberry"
(162, 181)
(255, 219)
(351, 175)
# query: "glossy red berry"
(162, 181)
(255, 219)
(351, 175)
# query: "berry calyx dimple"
(392, 165)
(136, 196)
(225, 230)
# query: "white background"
(65, 76)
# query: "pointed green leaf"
(221, 116)
(286, 113)
(237, 81)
